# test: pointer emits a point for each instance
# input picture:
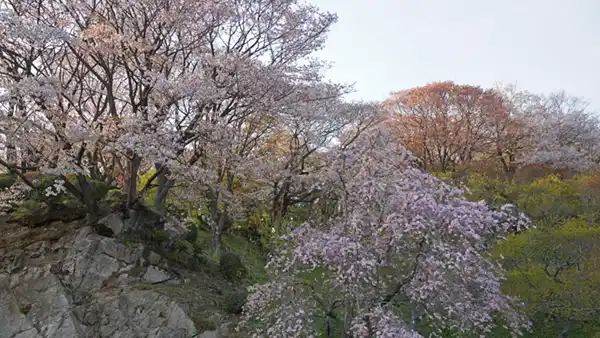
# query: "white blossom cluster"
(56, 188)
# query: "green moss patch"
(7, 180)
(34, 213)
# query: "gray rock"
(93, 259)
(143, 313)
(114, 222)
(156, 275)
(153, 258)
(87, 291)
(49, 302)
(17, 262)
(31, 333)
(176, 229)
(37, 249)
(14, 322)
(208, 334)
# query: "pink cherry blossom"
(402, 236)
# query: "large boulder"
(83, 285)
(139, 313)
(36, 298)
(156, 275)
(114, 222)
(94, 259)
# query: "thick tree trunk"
(510, 174)
(370, 328)
(131, 184)
(347, 321)
(215, 241)
(11, 152)
(89, 200)
(219, 225)
(162, 190)
(26, 157)
(279, 204)
(220, 222)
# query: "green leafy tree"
(556, 272)
(549, 201)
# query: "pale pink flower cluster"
(401, 236)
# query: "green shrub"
(113, 198)
(192, 235)
(25, 308)
(184, 246)
(175, 209)
(205, 320)
(7, 180)
(159, 236)
(234, 300)
(231, 266)
(493, 191)
(554, 271)
(258, 228)
(35, 213)
(186, 253)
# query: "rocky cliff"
(64, 280)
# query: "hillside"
(183, 168)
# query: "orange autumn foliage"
(444, 123)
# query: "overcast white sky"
(541, 45)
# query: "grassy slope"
(206, 293)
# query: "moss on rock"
(35, 213)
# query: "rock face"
(113, 222)
(83, 285)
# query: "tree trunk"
(11, 152)
(215, 241)
(370, 329)
(220, 222)
(131, 184)
(510, 174)
(162, 190)
(27, 156)
(88, 199)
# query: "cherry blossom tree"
(185, 87)
(566, 134)
(555, 130)
(404, 247)
(308, 134)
